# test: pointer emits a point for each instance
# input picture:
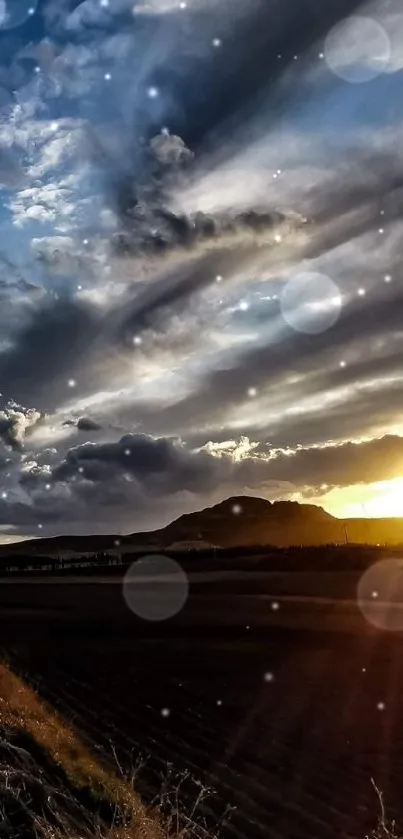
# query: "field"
(287, 713)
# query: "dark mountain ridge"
(236, 521)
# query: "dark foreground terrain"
(287, 712)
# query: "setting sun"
(381, 499)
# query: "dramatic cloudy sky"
(201, 282)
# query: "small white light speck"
(182, 5)
(37, 69)
(244, 306)
(361, 292)
(127, 452)
(165, 131)
(275, 606)
(279, 55)
(85, 241)
(277, 238)
(364, 670)
(321, 55)
(268, 677)
(219, 702)
(236, 509)
(252, 392)
(374, 595)
(71, 382)
(388, 278)
(4, 495)
(47, 486)
(279, 171)
(217, 42)
(165, 712)
(382, 213)
(104, 3)
(381, 230)
(152, 92)
(137, 340)
(31, 10)
(218, 278)
(39, 527)
(54, 126)
(342, 364)
(274, 175)
(117, 542)
(295, 57)
(79, 288)
(107, 77)
(81, 469)
(381, 706)
(247, 627)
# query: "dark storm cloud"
(107, 480)
(160, 463)
(206, 91)
(163, 465)
(159, 230)
(47, 348)
(88, 424)
(205, 102)
(113, 483)
(245, 68)
(151, 227)
(344, 465)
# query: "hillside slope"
(240, 520)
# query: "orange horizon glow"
(380, 499)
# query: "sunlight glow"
(382, 499)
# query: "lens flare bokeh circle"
(380, 595)
(357, 49)
(14, 13)
(155, 587)
(310, 302)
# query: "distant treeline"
(256, 557)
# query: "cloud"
(138, 478)
(15, 423)
(164, 189)
(47, 351)
(170, 150)
(88, 424)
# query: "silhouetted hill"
(237, 521)
(245, 520)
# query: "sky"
(201, 283)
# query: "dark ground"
(294, 755)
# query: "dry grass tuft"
(40, 754)
(22, 709)
(384, 829)
(52, 787)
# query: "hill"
(245, 520)
(240, 520)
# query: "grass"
(22, 709)
(52, 787)
(384, 829)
